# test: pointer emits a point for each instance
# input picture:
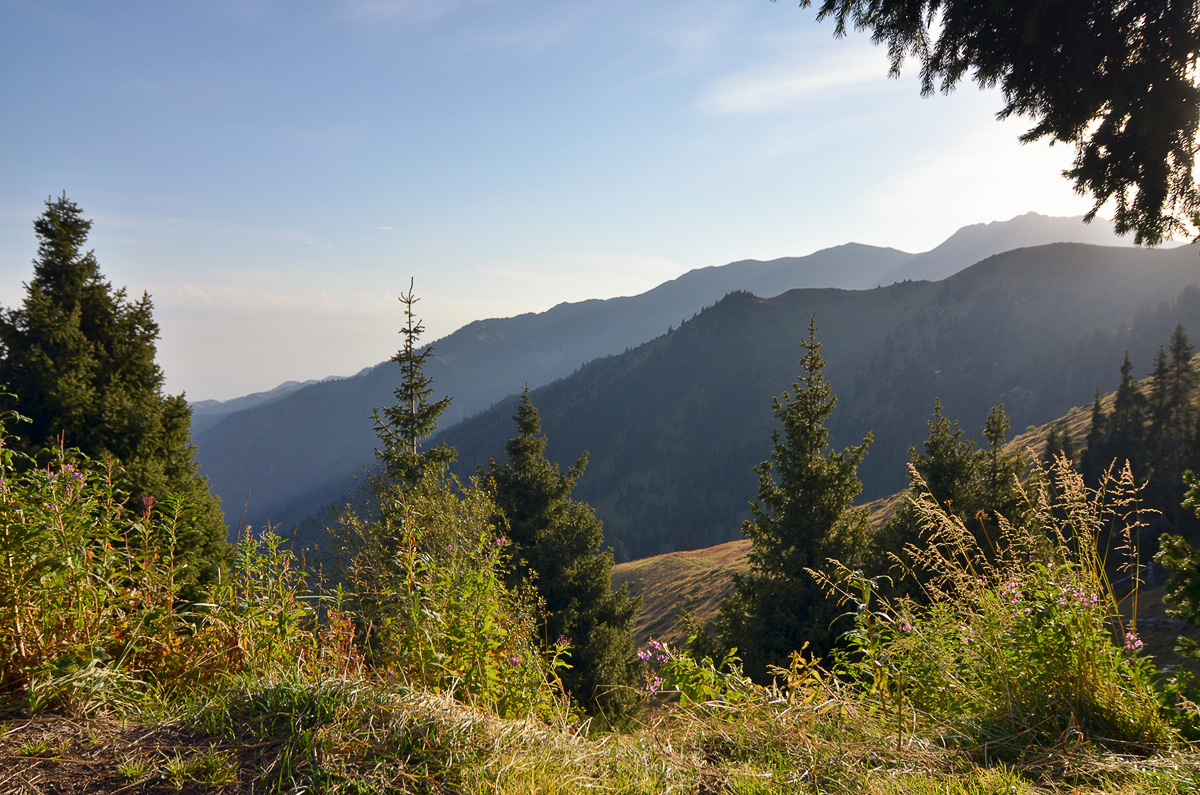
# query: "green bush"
(1025, 646)
(424, 573)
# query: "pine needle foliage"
(413, 418)
(1116, 79)
(78, 357)
(556, 548)
(802, 517)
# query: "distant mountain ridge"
(674, 427)
(207, 413)
(286, 456)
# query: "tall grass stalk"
(1024, 647)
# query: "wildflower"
(644, 655)
(1132, 641)
(563, 640)
(653, 683)
(515, 660)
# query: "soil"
(50, 755)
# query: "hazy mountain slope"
(298, 453)
(979, 241)
(207, 413)
(674, 427)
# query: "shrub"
(424, 573)
(1026, 646)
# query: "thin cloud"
(785, 84)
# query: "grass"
(1005, 678)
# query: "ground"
(51, 755)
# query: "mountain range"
(675, 427)
(285, 454)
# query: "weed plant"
(1015, 672)
(1024, 647)
(425, 574)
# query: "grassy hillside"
(1011, 685)
(696, 581)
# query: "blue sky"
(274, 172)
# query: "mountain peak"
(977, 242)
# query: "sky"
(274, 172)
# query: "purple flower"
(644, 655)
(653, 683)
(1132, 641)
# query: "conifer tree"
(1001, 496)
(556, 547)
(1171, 420)
(1127, 425)
(402, 427)
(802, 517)
(79, 358)
(1091, 459)
(974, 485)
(1058, 443)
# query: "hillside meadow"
(1018, 675)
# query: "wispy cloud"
(251, 301)
(785, 83)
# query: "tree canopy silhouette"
(1114, 78)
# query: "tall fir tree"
(556, 547)
(1002, 469)
(402, 427)
(79, 358)
(1127, 425)
(1172, 417)
(1091, 460)
(802, 517)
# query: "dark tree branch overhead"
(1117, 79)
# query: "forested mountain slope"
(675, 426)
(286, 458)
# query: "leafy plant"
(1024, 646)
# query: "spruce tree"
(1125, 440)
(402, 427)
(79, 358)
(1092, 459)
(1172, 417)
(556, 547)
(974, 485)
(802, 517)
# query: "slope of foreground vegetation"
(1015, 673)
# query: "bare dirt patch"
(50, 755)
